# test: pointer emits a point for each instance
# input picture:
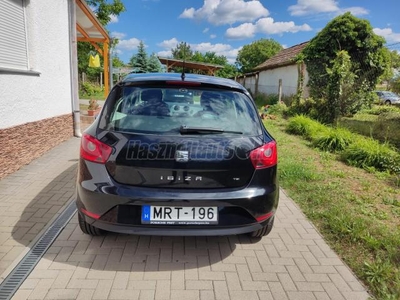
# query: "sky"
(225, 26)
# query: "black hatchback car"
(173, 156)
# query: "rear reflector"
(93, 150)
(90, 214)
(265, 156)
(264, 217)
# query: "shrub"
(89, 89)
(302, 125)
(366, 153)
(334, 139)
(264, 99)
(378, 110)
(306, 106)
(277, 109)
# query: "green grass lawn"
(357, 212)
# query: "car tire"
(387, 102)
(87, 228)
(263, 231)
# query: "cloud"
(165, 53)
(213, 36)
(219, 12)
(356, 11)
(243, 31)
(388, 34)
(188, 13)
(114, 19)
(310, 7)
(265, 26)
(118, 35)
(130, 44)
(206, 30)
(168, 44)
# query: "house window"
(13, 44)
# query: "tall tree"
(356, 37)
(250, 56)
(154, 65)
(182, 51)
(139, 61)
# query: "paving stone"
(293, 262)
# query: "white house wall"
(26, 98)
(251, 83)
(268, 82)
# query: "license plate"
(177, 215)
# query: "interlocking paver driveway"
(293, 262)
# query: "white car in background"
(388, 98)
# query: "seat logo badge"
(182, 156)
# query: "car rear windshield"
(166, 111)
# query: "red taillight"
(264, 217)
(264, 156)
(94, 150)
(90, 214)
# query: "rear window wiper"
(204, 130)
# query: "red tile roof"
(283, 58)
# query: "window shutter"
(13, 49)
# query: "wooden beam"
(106, 69)
(86, 35)
(92, 18)
(97, 40)
(97, 47)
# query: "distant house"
(39, 105)
(283, 68)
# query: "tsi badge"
(182, 156)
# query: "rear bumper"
(175, 231)
(115, 207)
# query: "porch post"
(106, 69)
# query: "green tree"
(395, 59)
(364, 47)
(142, 63)
(228, 71)
(154, 65)
(182, 51)
(254, 54)
(341, 100)
(210, 57)
(139, 61)
(103, 11)
(117, 62)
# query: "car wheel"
(387, 102)
(263, 231)
(87, 228)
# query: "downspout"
(73, 60)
